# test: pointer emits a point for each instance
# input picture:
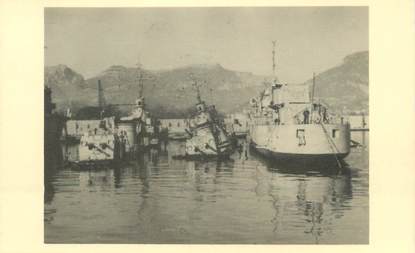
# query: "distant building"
(237, 123)
(79, 127)
(175, 126)
(358, 121)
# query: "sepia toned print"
(206, 125)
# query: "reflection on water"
(157, 199)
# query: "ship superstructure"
(99, 144)
(121, 138)
(286, 123)
(208, 136)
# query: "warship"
(289, 125)
(207, 134)
(140, 130)
(99, 145)
(118, 139)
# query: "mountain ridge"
(343, 87)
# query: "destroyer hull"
(97, 148)
(208, 148)
(204, 157)
(306, 143)
(301, 159)
(204, 144)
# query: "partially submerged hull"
(204, 143)
(95, 165)
(97, 148)
(208, 136)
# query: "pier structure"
(53, 125)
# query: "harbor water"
(245, 200)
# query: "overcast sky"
(89, 40)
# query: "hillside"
(165, 91)
(345, 88)
(169, 93)
(67, 86)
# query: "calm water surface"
(238, 201)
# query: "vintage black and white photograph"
(206, 125)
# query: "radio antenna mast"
(196, 85)
(314, 85)
(273, 58)
(140, 78)
(274, 82)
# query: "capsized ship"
(208, 136)
(287, 124)
(116, 140)
(99, 144)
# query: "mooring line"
(333, 149)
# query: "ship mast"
(314, 85)
(273, 59)
(312, 97)
(196, 85)
(140, 80)
(140, 85)
(198, 97)
(274, 82)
